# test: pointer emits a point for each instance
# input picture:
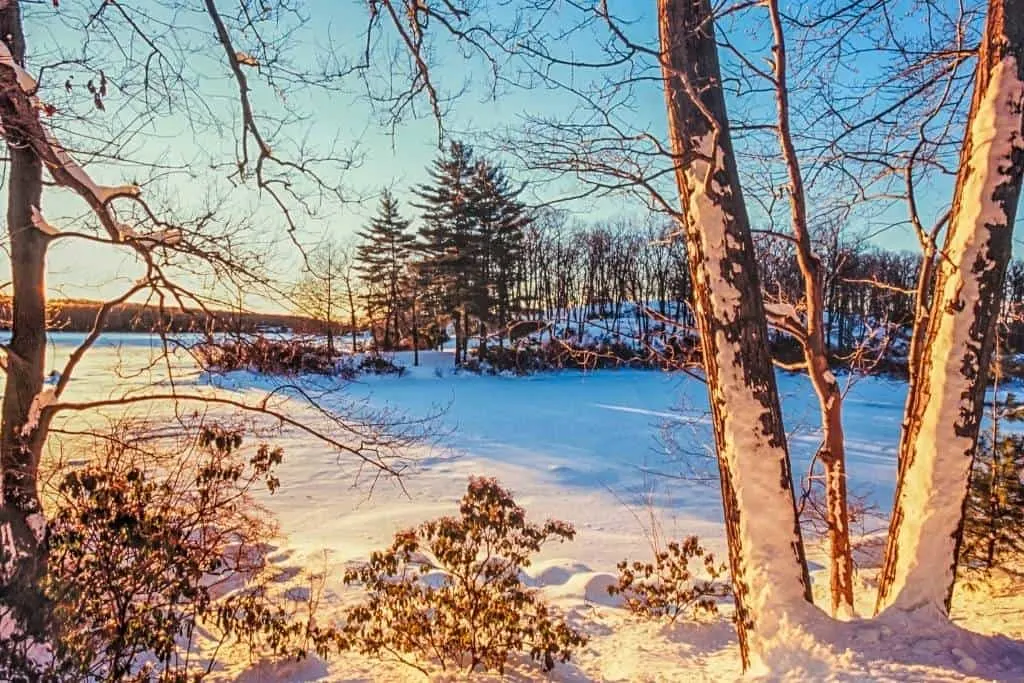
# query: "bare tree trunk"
(415, 333)
(837, 515)
(812, 338)
(330, 306)
(942, 431)
(766, 550)
(22, 527)
(458, 338)
(352, 314)
(329, 322)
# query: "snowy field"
(585, 448)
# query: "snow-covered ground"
(588, 449)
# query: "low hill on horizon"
(79, 315)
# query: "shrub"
(477, 612)
(148, 548)
(379, 365)
(288, 357)
(667, 587)
(529, 356)
(268, 356)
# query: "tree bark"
(830, 399)
(766, 552)
(22, 528)
(415, 332)
(941, 432)
(837, 514)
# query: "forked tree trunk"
(22, 527)
(937, 447)
(766, 552)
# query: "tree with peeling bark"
(766, 553)
(945, 408)
(954, 355)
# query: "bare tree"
(810, 332)
(155, 61)
(325, 291)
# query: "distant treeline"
(77, 315)
(473, 260)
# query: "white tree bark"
(765, 546)
(940, 436)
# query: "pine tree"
(449, 241)
(382, 257)
(500, 220)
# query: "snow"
(40, 223)
(40, 401)
(246, 59)
(784, 312)
(770, 569)
(102, 193)
(168, 237)
(37, 524)
(939, 470)
(27, 84)
(583, 447)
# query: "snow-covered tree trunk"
(23, 612)
(942, 431)
(766, 550)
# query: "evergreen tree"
(500, 221)
(449, 241)
(382, 258)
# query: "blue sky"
(384, 157)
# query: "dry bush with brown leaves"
(473, 611)
(151, 545)
(667, 587)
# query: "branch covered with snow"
(62, 166)
(25, 81)
(40, 401)
(41, 224)
(246, 59)
(784, 316)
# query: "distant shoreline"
(79, 315)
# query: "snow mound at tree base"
(896, 646)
